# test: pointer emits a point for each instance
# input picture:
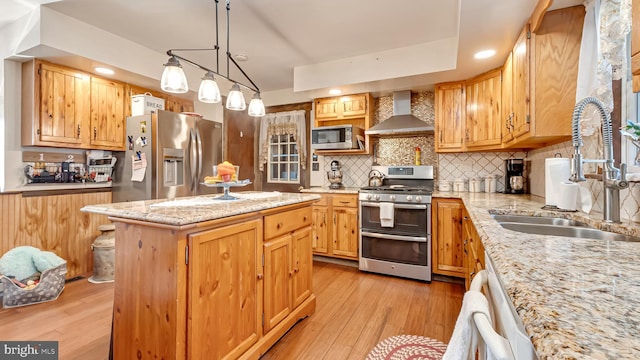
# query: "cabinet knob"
(260, 276)
(278, 225)
(290, 273)
(304, 219)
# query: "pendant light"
(209, 91)
(173, 78)
(174, 81)
(256, 106)
(235, 99)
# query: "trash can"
(104, 248)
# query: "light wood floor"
(354, 311)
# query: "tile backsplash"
(475, 164)
(355, 169)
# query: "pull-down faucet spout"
(613, 179)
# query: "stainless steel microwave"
(337, 137)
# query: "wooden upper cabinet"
(107, 114)
(449, 122)
(635, 44)
(63, 107)
(342, 107)
(507, 99)
(483, 110)
(56, 105)
(356, 110)
(519, 106)
(545, 73)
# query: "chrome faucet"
(613, 179)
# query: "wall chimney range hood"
(402, 122)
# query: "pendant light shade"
(173, 78)
(209, 91)
(235, 99)
(256, 106)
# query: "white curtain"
(603, 58)
(282, 123)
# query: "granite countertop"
(577, 298)
(327, 190)
(194, 209)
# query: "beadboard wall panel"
(53, 223)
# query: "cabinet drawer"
(345, 200)
(285, 222)
(323, 200)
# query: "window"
(284, 161)
(283, 146)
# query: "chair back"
(492, 342)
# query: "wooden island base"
(225, 288)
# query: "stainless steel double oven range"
(395, 223)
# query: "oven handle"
(394, 237)
(398, 206)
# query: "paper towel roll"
(556, 170)
(568, 195)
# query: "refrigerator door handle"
(193, 159)
(199, 142)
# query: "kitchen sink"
(525, 219)
(557, 227)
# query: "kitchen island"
(200, 278)
(577, 298)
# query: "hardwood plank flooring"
(354, 311)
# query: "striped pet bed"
(403, 347)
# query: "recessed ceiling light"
(335, 92)
(105, 71)
(484, 54)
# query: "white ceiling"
(279, 35)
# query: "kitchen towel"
(465, 337)
(568, 195)
(556, 170)
(386, 214)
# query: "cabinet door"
(107, 114)
(520, 101)
(277, 281)
(449, 122)
(326, 108)
(447, 247)
(507, 100)
(345, 232)
(483, 111)
(223, 291)
(352, 106)
(301, 263)
(64, 105)
(320, 229)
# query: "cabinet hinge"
(186, 255)
(38, 131)
(528, 119)
(39, 71)
(528, 34)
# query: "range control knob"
(418, 198)
(409, 198)
(392, 197)
(376, 197)
(368, 196)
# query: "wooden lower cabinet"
(456, 246)
(473, 249)
(53, 223)
(224, 315)
(447, 240)
(335, 226)
(214, 290)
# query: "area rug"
(404, 347)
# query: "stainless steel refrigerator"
(176, 151)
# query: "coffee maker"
(514, 178)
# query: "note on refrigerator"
(138, 167)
